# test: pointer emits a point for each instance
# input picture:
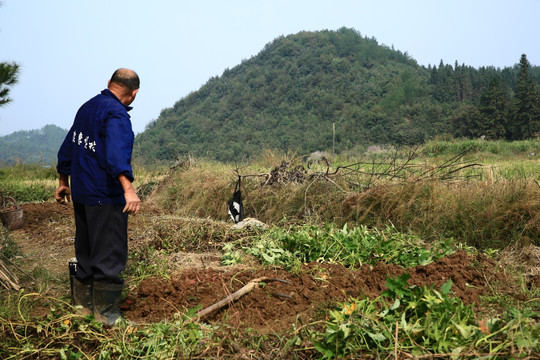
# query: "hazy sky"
(68, 49)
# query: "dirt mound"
(40, 216)
(276, 305)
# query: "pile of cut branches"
(398, 166)
(285, 173)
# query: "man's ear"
(134, 92)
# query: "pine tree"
(493, 111)
(9, 73)
(525, 112)
(466, 122)
(446, 84)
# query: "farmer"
(96, 154)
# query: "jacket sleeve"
(65, 155)
(119, 139)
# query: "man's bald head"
(124, 84)
(126, 78)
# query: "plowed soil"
(198, 280)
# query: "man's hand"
(63, 194)
(133, 202)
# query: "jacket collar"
(108, 93)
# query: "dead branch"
(397, 167)
(235, 296)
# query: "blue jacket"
(97, 149)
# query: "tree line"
(507, 107)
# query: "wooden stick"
(6, 271)
(5, 281)
(235, 296)
(8, 278)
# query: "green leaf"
(327, 353)
(268, 258)
(395, 305)
(445, 288)
(466, 330)
(346, 330)
(377, 337)
(397, 286)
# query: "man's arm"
(63, 192)
(132, 200)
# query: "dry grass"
(527, 259)
(493, 212)
(482, 214)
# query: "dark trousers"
(101, 245)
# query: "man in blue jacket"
(96, 154)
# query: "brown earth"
(198, 280)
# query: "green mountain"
(32, 146)
(292, 94)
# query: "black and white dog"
(236, 208)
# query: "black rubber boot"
(107, 298)
(82, 294)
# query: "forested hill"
(32, 146)
(291, 94)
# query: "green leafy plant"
(349, 247)
(231, 256)
(416, 321)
